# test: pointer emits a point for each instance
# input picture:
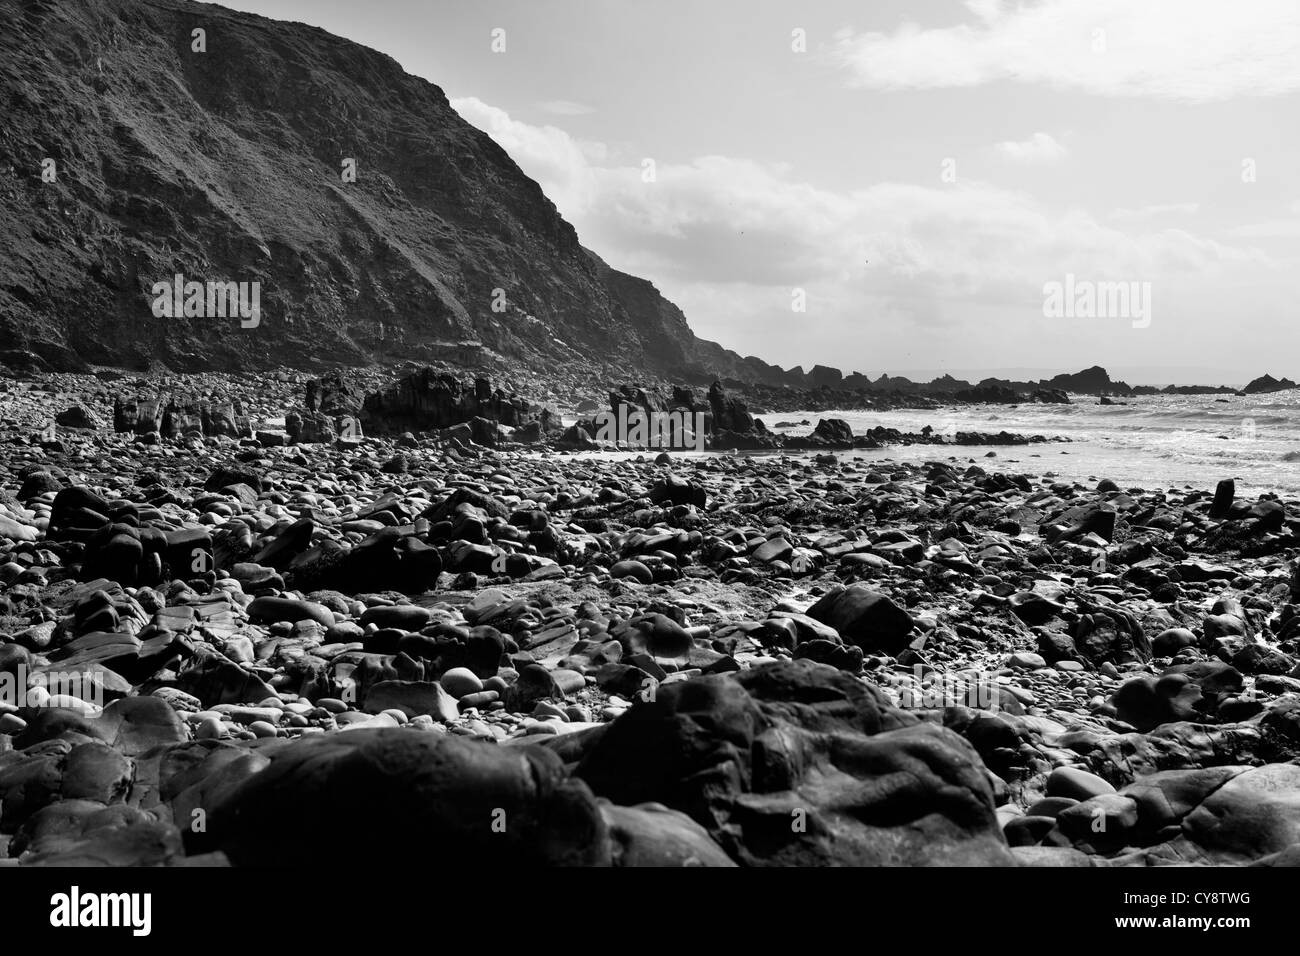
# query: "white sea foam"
(1164, 441)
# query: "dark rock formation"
(1091, 381)
(428, 400)
(181, 416)
(429, 794)
(993, 394)
(801, 764)
(1267, 383)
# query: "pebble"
(1076, 784)
(262, 728)
(210, 728)
(12, 724)
(461, 682)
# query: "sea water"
(1152, 442)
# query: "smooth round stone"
(366, 721)
(210, 728)
(498, 684)
(406, 617)
(1076, 783)
(544, 709)
(261, 728)
(75, 704)
(348, 632)
(397, 715)
(482, 699)
(1026, 660)
(1172, 640)
(1068, 666)
(541, 727)
(38, 697)
(12, 724)
(274, 610)
(460, 681)
(569, 682)
(333, 705)
(1050, 806)
(632, 569)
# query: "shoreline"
(334, 596)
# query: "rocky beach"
(215, 642)
(371, 511)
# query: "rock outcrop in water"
(1267, 383)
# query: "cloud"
(1144, 213)
(563, 165)
(565, 108)
(727, 238)
(1039, 148)
(1186, 50)
(1282, 228)
(1271, 229)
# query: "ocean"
(1155, 442)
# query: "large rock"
(135, 725)
(654, 835)
(1163, 799)
(385, 797)
(1254, 814)
(1111, 635)
(864, 617)
(413, 698)
(730, 414)
(833, 432)
(78, 416)
(175, 416)
(428, 400)
(82, 833)
(799, 764)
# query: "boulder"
(800, 764)
(867, 618)
(423, 796)
(1253, 814)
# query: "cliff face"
(128, 156)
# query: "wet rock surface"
(214, 646)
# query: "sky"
(897, 186)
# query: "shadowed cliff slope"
(225, 165)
